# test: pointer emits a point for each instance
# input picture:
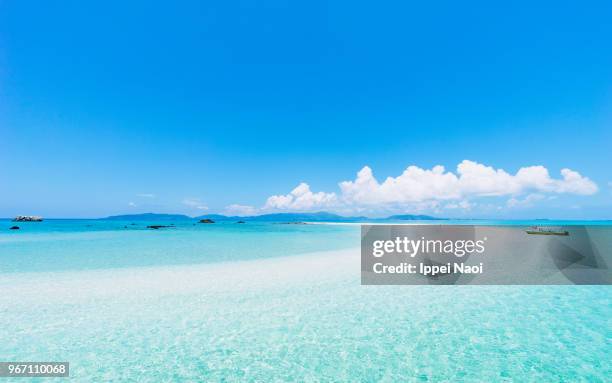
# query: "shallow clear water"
(55, 245)
(222, 304)
(68, 244)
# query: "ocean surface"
(276, 302)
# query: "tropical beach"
(263, 313)
(273, 191)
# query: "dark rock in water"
(206, 220)
(132, 224)
(157, 226)
(240, 222)
(14, 228)
(293, 223)
(27, 218)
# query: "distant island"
(27, 218)
(275, 217)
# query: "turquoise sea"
(267, 302)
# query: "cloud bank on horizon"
(421, 189)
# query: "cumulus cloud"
(301, 198)
(471, 180)
(428, 187)
(413, 185)
(195, 203)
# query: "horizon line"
(318, 212)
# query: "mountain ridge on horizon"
(321, 216)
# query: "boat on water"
(537, 230)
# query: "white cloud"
(131, 204)
(413, 185)
(471, 180)
(416, 188)
(465, 205)
(417, 185)
(301, 198)
(524, 202)
(145, 195)
(195, 203)
(236, 209)
(574, 183)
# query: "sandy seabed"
(300, 318)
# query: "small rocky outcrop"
(206, 220)
(240, 222)
(158, 226)
(14, 228)
(27, 218)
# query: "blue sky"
(108, 107)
